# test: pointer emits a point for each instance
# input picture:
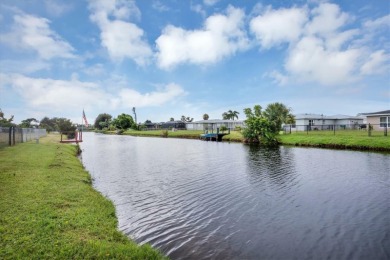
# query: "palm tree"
(186, 119)
(205, 117)
(225, 116)
(233, 114)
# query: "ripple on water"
(206, 200)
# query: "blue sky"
(172, 58)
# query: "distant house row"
(303, 122)
(378, 120)
(197, 125)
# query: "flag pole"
(82, 118)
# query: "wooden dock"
(77, 134)
(213, 136)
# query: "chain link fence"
(13, 135)
(356, 130)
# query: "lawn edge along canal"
(49, 209)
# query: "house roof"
(216, 121)
(323, 117)
(385, 112)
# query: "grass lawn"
(189, 134)
(350, 139)
(49, 210)
(343, 138)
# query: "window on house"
(384, 121)
(311, 122)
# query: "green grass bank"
(49, 209)
(346, 139)
(343, 139)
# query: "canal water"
(206, 200)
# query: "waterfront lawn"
(349, 139)
(353, 139)
(189, 134)
(49, 210)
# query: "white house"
(305, 122)
(213, 124)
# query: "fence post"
(334, 129)
(307, 129)
(369, 129)
(13, 136)
(10, 135)
(386, 125)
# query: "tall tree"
(171, 119)
(205, 117)
(26, 123)
(64, 125)
(123, 122)
(277, 114)
(225, 116)
(48, 124)
(230, 115)
(258, 128)
(186, 119)
(102, 120)
(4, 121)
(233, 114)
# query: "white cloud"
(53, 94)
(23, 66)
(376, 63)
(198, 9)
(319, 48)
(326, 20)
(278, 78)
(33, 33)
(121, 38)
(155, 98)
(56, 8)
(59, 95)
(221, 36)
(95, 70)
(309, 60)
(383, 21)
(277, 26)
(157, 5)
(210, 2)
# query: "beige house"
(379, 120)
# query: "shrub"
(164, 133)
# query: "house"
(304, 122)
(152, 126)
(213, 124)
(180, 125)
(379, 120)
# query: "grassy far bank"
(343, 139)
(188, 134)
(49, 210)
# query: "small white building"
(213, 124)
(304, 122)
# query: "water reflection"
(202, 200)
(272, 165)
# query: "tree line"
(261, 126)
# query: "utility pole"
(135, 117)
